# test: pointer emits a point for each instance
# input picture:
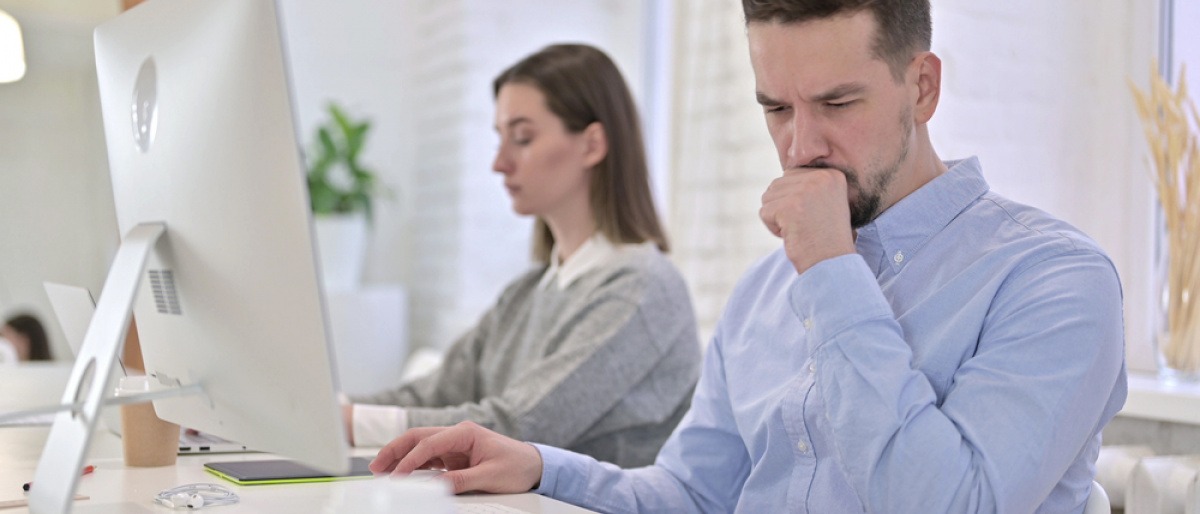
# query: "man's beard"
(866, 205)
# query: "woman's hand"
(475, 458)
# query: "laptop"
(74, 306)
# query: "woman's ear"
(597, 144)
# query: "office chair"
(1097, 502)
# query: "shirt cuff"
(555, 464)
(377, 425)
(836, 294)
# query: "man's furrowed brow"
(835, 93)
(840, 91)
(765, 100)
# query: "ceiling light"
(12, 51)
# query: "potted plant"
(341, 190)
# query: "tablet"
(282, 471)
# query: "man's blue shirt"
(964, 360)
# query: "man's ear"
(928, 69)
(597, 144)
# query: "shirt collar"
(590, 255)
(895, 237)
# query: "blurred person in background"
(26, 338)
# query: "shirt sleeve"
(611, 345)
(1044, 376)
(701, 468)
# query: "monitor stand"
(58, 469)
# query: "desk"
(115, 488)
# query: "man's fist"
(809, 208)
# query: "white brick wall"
(722, 157)
(435, 87)
(1048, 110)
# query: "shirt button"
(812, 367)
(802, 447)
(807, 323)
(899, 257)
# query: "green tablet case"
(282, 471)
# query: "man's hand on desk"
(475, 458)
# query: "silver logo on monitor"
(145, 105)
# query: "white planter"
(342, 248)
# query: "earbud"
(195, 502)
(181, 500)
(196, 496)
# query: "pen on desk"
(86, 469)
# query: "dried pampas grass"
(1175, 158)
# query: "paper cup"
(147, 440)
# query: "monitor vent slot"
(162, 282)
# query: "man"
(925, 346)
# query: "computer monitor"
(201, 140)
(230, 299)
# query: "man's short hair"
(904, 26)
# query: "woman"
(595, 350)
(27, 338)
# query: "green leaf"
(339, 141)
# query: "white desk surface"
(115, 488)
